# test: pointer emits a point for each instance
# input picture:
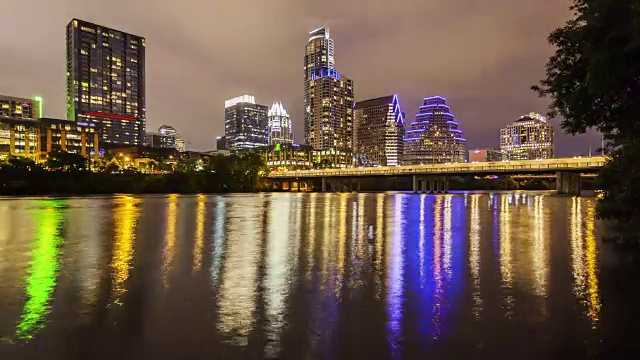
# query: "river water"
(313, 276)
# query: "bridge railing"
(574, 164)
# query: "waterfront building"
(484, 155)
(245, 123)
(35, 139)
(288, 156)
(106, 81)
(19, 108)
(279, 129)
(434, 136)
(529, 138)
(328, 99)
(378, 132)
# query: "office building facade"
(245, 123)
(434, 137)
(378, 132)
(279, 130)
(328, 98)
(19, 108)
(35, 139)
(106, 81)
(484, 155)
(529, 138)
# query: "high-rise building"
(171, 138)
(378, 132)
(434, 137)
(245, 123)
(221, 143)
(484, 155)
(18, 108)
(106, 81)
(530, 138)
(279, 129)
(328, 98)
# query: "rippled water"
(505, 275)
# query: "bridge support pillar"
(432, 186)
(324, 185)
(415, 184)
(446, 185)
(568, 183)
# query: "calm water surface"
(313, 276)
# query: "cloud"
(482, 55)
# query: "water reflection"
(237, 298)
(170, 238)
(584, 255)
(125, 215)
(43, 269)
(474, 254)
(199, 236)
(306, 275)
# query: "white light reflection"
(506, 259)
(395, 281)
(277, 272)
(474, 254)
(218, 240)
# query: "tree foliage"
(65, 161)
(593, 81)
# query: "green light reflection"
(43, 270)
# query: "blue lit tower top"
(434, 137)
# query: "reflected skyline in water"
(314, 275)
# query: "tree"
(64, 161)
(593, 81)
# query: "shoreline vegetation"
(68, 175)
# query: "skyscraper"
(531, 137)
(245, 123)
(279, 129)
(434, 138)
(170, 138)
(106, 81)
(328, 98)
(378, 132)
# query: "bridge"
(568, 172)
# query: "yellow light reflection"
(311, 231)
(577, 247)
(199, 241)
(591, 255)
(474, 254)
(342, 241)
(125, 216)
(539, 251)
(506, 268)
(170, 239)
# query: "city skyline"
(182, 71)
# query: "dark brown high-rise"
(106, 81)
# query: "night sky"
(483, 55)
